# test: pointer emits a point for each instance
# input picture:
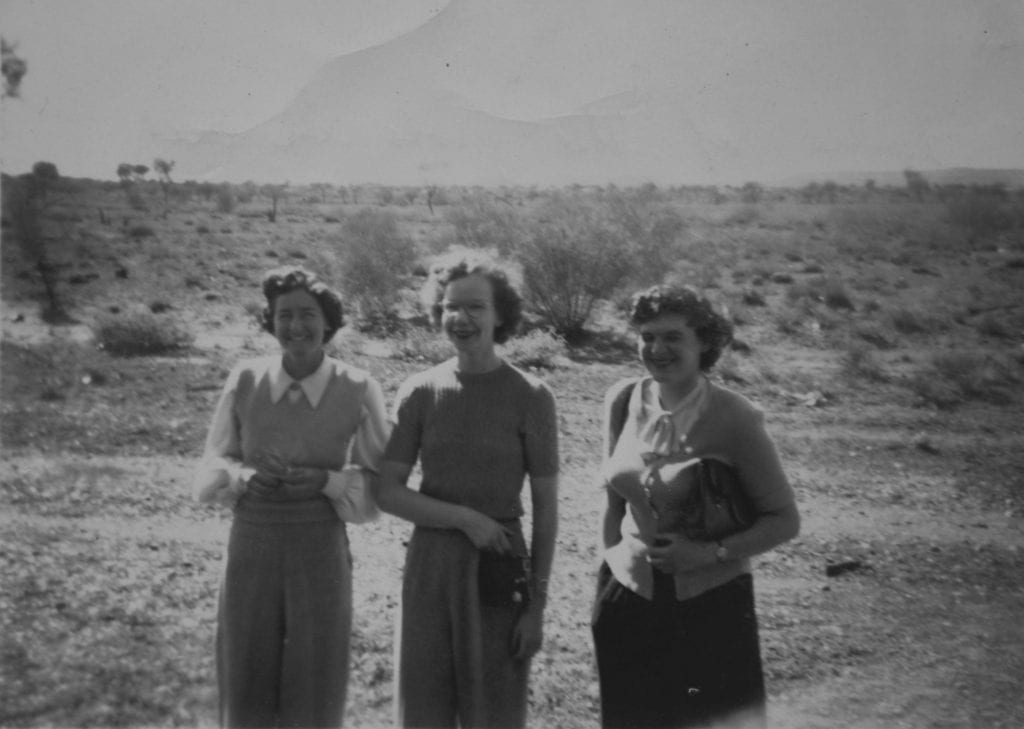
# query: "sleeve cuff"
(351, 494)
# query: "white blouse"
(222, 478)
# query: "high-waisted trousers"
(454, 661)
(284, 618)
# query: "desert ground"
(882, 333)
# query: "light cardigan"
(727, 427)
(222, 474)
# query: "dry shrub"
(874, 333)
(859, 362)
(482, 222)
(835, 295)
(141, 333)
(422, 345)
(915, 321)
(538, 349)
(375, 259)
(951, 378)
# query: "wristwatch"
(721, 552)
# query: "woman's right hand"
(486, 533)
(264, 486)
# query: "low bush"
(482, 222)
(950, 379)
(138, 232)
(422, 345)
(859, 362)
(915, 321)
(571, 260)
(537, 349)
(375, 257)
(876, 334)
(141, 333)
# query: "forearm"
(397, 499)
(545, 531)
(769, 531)
(611, 521)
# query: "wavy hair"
(712, 328)
(286, 279)
(508, 304)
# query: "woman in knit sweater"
(674, 624)
(478, 427)
(294, 441)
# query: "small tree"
(24, 200)
(375, 258)
(751, 193)
(14, 69)
(275, 193)
(917, 185)
(322, 188)
(163, 169)
(571, 259)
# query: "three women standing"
(674, 624)
(294, 441)
(478, 426)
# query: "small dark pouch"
(504, 580)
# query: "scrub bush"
(572, 258)
(141, 333)
(376, 258)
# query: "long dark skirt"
(669, 663)
(284, 624)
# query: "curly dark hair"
(508, 304)
(286, 279)
(711, 327)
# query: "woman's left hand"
(674, 554)
(528, 633)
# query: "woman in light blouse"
(674, 624)
(294, 441)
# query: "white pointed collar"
(312, 386)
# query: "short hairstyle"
(711, 327)
(508, 304)
(286, 279)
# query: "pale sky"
(771, 87)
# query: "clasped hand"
(277, 480)
(674, 554)
(486, 533)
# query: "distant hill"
(1012, 178)
(431, 134)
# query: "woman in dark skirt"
(674, 624)
(294, 441)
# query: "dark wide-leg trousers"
(669, 663)
(284, 624)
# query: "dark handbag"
(504, 580)
(716, 506)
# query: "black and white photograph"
(569, 364)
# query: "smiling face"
(299, 326)
(468, 315)
(670, 350)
